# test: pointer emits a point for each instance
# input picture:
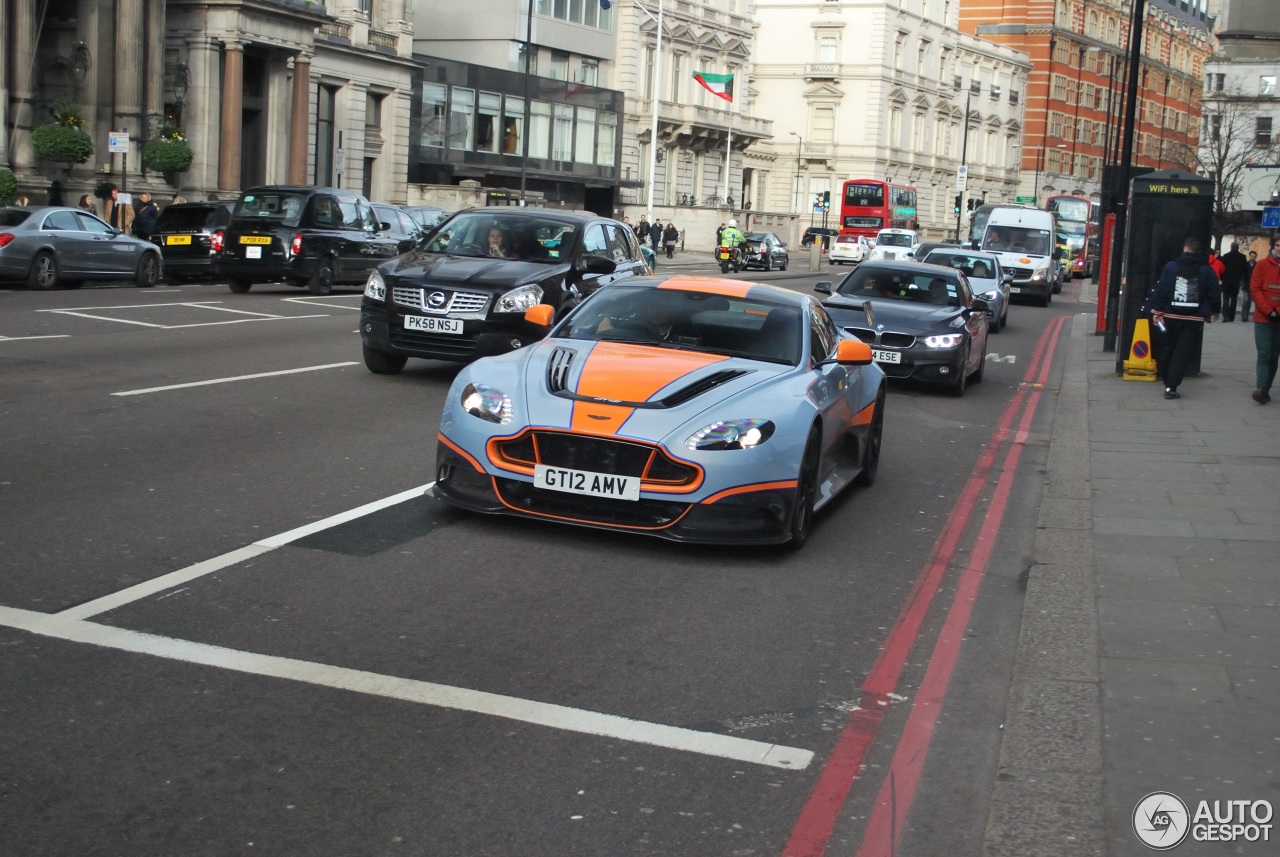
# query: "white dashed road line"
(234, 378)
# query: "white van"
(1025, 239)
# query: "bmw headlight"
(487, 403)
(731, 434)
(519, 300)
(374, 287)
(944, 340)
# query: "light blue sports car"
(695, 409)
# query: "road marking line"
(216, 306)
(314, 302)
(46, 336)
(102, 317)
(184, 575)
(235, 378)
(410, 690)
(242, 321)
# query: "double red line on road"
(818, 817)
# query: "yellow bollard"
(1140, 366)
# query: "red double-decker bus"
(869, 205)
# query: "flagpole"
(728, 155)
(653, 127)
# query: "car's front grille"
(865, 334)
(889, 339)
(451, 346)
(1021, 273)
(646, 514)
(651, 464)
(459, 302)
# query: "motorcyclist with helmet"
(731, 237)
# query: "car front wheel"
(44, 272)
(957, 387)
(148, 271)
(806, 492)
(871, 455)
(381, 363)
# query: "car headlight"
(944, 340)
(487, 403)
(731, 434)
(1041, 274)
(519, 300)
(991, 295)
(374, 287)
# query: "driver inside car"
(656, 316)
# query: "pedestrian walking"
(1216, 264)
(86, 204)
(1186, 296)
(670, 238)
(144, 219)
(655, 235)
(1246, 299)
(642, 229)
(1264, 287)
(119, 212)
(1234, 275)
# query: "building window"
(1215, 127)
(828, 49)
(648, 72)
(487, 122)
(540, 130)
(590, 73)
(575, 11)
(434, 110)
(1267, 85)
(704, 65)
(922, 58)
(591, 13)
(562, 133)
(363, 6)
(462, 117)
(607, 140)
(373, 111)
(824, 124)
(326, 108)
(899, 49)
(513, 126)
(559, 66)
(1262, 132)
(677, 64)
(895, 128)
(584, 144)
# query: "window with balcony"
(677, 68)
(828, 49)
(824, 124)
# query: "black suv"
(189, 235)
(317, 237)
(464, 293)
(818, 233)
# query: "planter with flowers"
(63, 141)
(168, 154)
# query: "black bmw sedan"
(463, 293)
(921, 321)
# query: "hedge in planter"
(62, 144)
(8, 187)
(171, 155)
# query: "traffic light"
(974, 203)
(956, 208)
(826, 200)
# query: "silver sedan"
(48, 247)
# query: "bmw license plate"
(430, 324)
(586, 482)
(882, 356)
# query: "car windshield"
(979, 267)
(178, 219)
(13, 216)
(521, 238)
(895, 239)
(1017, 239)
(277, 206)
(757, 236)
(426, 217)
(909, 286)
(689, 320)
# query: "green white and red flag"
(720, 85)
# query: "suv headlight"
(487, 403)
(991, 295)
(374, 287)
(944, 340)
(731, 434)
(519, 300)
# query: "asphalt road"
(415, 681)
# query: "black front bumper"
(758, 517)
(382, 329)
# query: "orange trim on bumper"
(460, 451)
(785, 484)
(652, 486)
(498, 493)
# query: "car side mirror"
(594, 264)
(823, 288)
(980, 305)
(1007, 277)
(541, 315)
(851, 352)
(1057, 254)
(384, 226)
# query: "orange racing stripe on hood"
(628, 373)
(710, 285)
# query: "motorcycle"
(729, 258)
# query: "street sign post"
(1025, 200)
(118, 142)
(1271, 217)
(962, 178)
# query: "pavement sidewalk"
(1149, 656)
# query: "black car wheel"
(148, 271)
(381, 363)
(44, 272)
(239, 287)
(768, 263)
(982, 367)
(785, 261)
(871, 455)
(322, 280)
(996, 323)
(806, 492)
(957, 386)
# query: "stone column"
(232, 115)
(154, 55)
(22, 43)
(130, 64)
(200, 114)
(4, 86)
(299, 118)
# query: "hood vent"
(702, 385)
(558, 367)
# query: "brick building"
(1075, 93)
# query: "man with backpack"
(1186, 296)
